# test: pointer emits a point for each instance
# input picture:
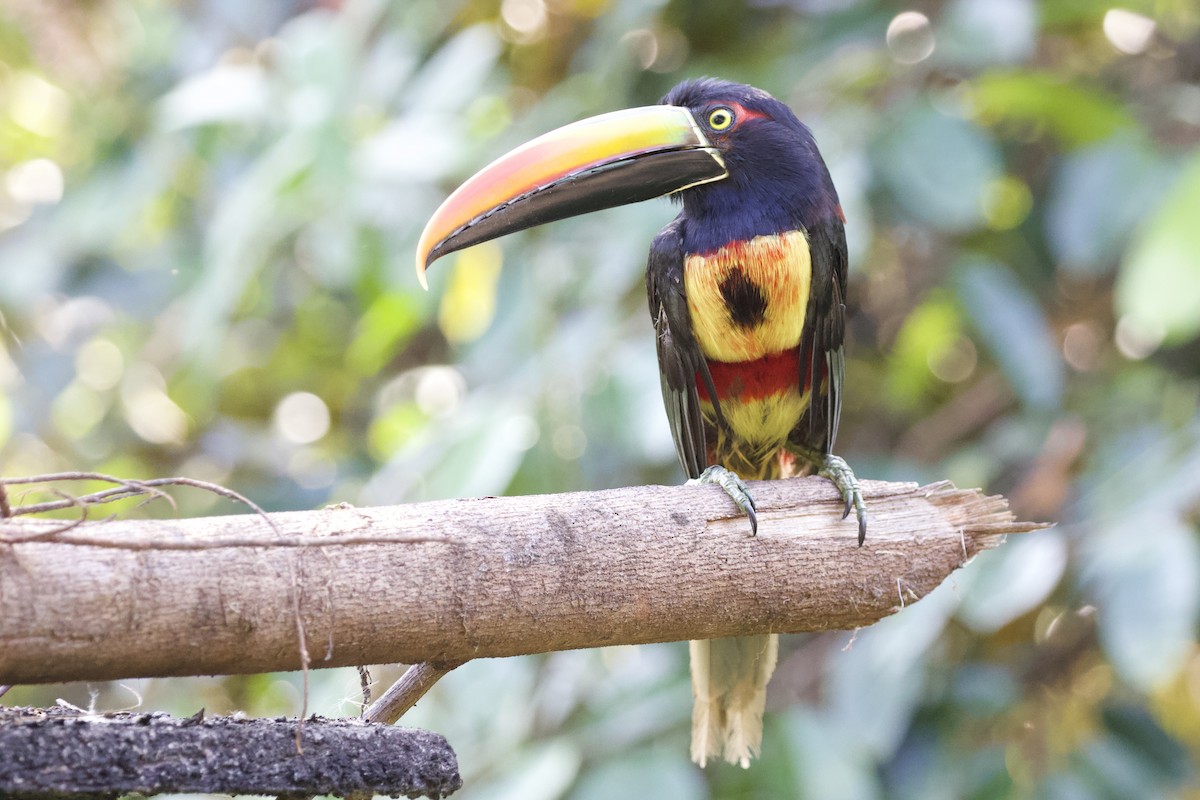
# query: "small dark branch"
(364, 679)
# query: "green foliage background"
(229, 265)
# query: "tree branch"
(448, 581)
(57, 753)
(404, 693)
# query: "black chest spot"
(745, 299)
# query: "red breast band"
(754, 380)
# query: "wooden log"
(454, 580)
(68, 755)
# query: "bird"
(746, 288)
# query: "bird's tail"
(729, 684)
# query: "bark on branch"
(57, 754)
(454, 580)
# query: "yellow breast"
(748, 299)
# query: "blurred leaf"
(1076, 114)
(1145, 470)
(469, 303)
(938, 167)
(1099, 194)
(1012, 580)
(931, 767)
(541, 772)
(874, 685)
(932, 327)
(654, 774)
(1118, 771)
(1013, 328)
(418, 146)
(1140, 732)
(1159, 284)
(827, 761)
(1059, 13)
(6, 420)
(1067, 787)
(471, 454)
(451, 80)
(393, 428)
(381, 332)
(1144, 573)
(226, 93)
(996, 32)
(247, 227)
(984, 689)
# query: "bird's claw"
(735, 487)
(837, 470)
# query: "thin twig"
(88, 540)
(132, 488)
(125, 488)
(51, 533)
(404, 693)
(305, 661)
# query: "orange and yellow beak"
(596, 163)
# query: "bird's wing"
(823, 354)
(679, 356)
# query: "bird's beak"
(596, 163)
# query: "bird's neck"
(738, 211)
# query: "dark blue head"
(777, 179)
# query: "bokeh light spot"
(1081, 345)
(439, 390)
(524, 19)
(910, 37)
(657, 50)
(1136, 339)
(99, 365)
(569, 442)
(311, 470)
(150, 412)
(1006, 203)
(35, 182)
(1128, 31)
(77, 410)
(302, 418)
(521, 431)
(37, 105)
(954, 362)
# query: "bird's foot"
(837, 470)
(735, 487)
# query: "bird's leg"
(837, 470)
(735, 487)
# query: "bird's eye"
(720, 118)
